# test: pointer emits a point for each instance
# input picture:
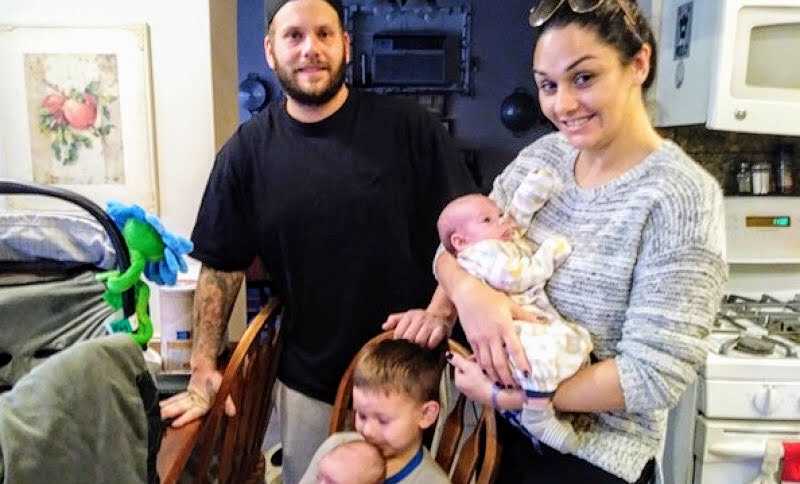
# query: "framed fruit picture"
(77, 112)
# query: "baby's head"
(356, 462)
(470, 219)
(396, 395)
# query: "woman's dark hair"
(608, 21)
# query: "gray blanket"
(88, 414)
(37, 320)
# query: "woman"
(647, 269)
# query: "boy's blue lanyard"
(406, 470)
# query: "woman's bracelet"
(495, 393)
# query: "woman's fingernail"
(527, 374)
(504, 345)
(484, 372)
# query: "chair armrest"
(176, 447)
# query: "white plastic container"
(175, 315)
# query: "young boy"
(487, 243)
(395, 398)
(352, 462)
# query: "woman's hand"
(487, 318)
(470, 379)
(475, 385)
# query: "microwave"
(729, 64)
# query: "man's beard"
(293, 89)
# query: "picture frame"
(78, 112)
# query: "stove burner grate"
(767, 303)
(754, 346)
(758, 346)
(792, 336)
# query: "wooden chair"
(480, 452)
(235, 443)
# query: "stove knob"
(762, 400)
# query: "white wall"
(194, 92)
(180, 37)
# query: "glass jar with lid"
(785, 182)
(744, 179)
(762, 178)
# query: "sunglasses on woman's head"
(545, 9)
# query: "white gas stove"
(748, 391)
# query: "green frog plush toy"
(154, 251)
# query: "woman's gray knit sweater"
(645, 278)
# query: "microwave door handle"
(738, 450)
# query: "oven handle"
(739, 450)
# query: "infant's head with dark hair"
(356, 462)
(470, 219)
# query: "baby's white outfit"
(556, 350)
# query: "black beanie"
(271, 7)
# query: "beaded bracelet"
(495, 392)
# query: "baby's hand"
(562, 247)
(559, 247)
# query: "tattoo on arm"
(213, 302)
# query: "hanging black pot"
(253, 93)
(519, 111)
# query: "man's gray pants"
(304, 426)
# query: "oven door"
(731, 451)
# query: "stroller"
(76, 405)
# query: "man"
(338, 192)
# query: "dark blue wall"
(502, 46)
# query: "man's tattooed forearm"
(213, 302)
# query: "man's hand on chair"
(423, 327)
(196, 401)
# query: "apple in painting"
(81, 115)
(54, 104)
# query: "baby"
(489, 245)
(354, 462)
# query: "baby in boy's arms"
(353, 462)
(488, 244)
(395, 398)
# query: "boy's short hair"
(397, 365)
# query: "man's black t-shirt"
(342, 213)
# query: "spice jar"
(762, 178)
(785, 174)
(744, 179)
